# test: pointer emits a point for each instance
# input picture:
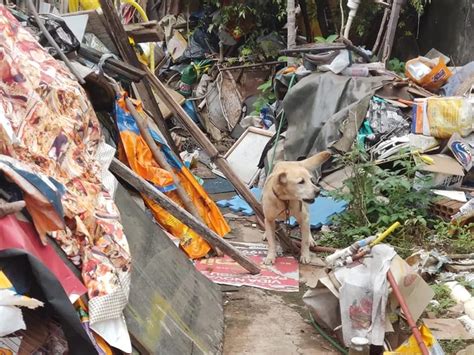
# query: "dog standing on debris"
(287, 191)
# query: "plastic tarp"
(139, 157)
(326, 110)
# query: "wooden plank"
(172, 308)
(144, 32)
(120, 38)
(184, 216)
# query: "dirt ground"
(265, 322)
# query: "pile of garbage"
(175, 110)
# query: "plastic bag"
(428, 73)
(441, 117)
(411, 347)
(60, 32)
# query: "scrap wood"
(119, 36)
(213, 153)
(112, 65)
(177, 211)
(144, 32)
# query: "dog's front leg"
(270, 237)
(306, 238)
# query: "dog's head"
(294, 179)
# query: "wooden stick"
(119, 36)
(161, 159)
(144, 187)
(391, 29)
(381, 31)
(213, 153)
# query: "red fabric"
(22, 235)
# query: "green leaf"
(331, 38)
(320, 39)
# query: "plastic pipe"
(353, 5)
(144, 16)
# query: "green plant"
(420, 5)
(452, 347)
(377, 198)
(328, 39)
(266, 97)
(397, 66)
(452, 237)
(442, 294)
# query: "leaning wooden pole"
(144, 187)
(213, 153)
(161, 159)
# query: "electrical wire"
(144, 16)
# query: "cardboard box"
(444, 172)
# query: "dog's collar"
(287, 203)
(278, 197)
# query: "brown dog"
(287, 192)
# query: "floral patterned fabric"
(47, 122)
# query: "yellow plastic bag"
(410, 347)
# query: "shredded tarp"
(47, 122)
(139, 157)
(326, 110)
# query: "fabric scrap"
(59, 134)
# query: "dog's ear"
(282, 178)
(316, 160)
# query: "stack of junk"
(117, 134)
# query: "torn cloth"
(363, 296)
(326, 110)
(45, 112)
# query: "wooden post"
(119, 36)
(392, 28)
(144, 187)
(213, 153)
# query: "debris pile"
(129, 129)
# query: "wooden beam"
(144, 187)
(145, 32)
(219, 160)
(119, 36)
(112, 65)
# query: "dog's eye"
(301, 182)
